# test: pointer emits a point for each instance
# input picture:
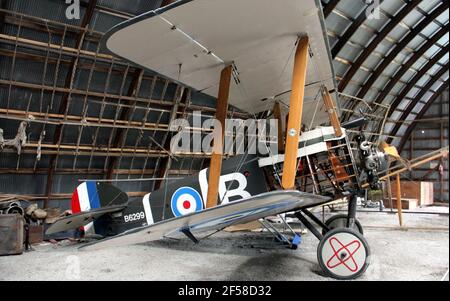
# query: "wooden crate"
(421, 191)
(36, 234)
(406, 203)
(11, 234)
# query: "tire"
(340, 221)
(343, 254)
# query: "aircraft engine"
(372, 161)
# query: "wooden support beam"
(416, 100)
(56, 48)
(411, 147)
(349, 32)
(73, 150)
(389, 188)
(2, 14)
(429, 65)
(332, 112)
(70, 171)
(295, 113)
(399, 200)
(165, 164)
(91, 94)
(376, 41)
(166, 2)
(84, 93)
(428, 149)
(409, 63)
(400, 46)
(51, 24)
(277, 115)
(424, 160)
(38, 25)
(215, 166)
(422, 112)
(125, 114)
(65, 100)
(56, 196)
(435, 170)
(75, 120)
(87, 65)
(441, 142)
(328, 8)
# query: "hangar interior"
(71, 111)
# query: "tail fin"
(90, 202)
(93, 195)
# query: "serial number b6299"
(134, 217)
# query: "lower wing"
(217, 218)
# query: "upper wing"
(191, 40)
(217, 218)
(81, 219)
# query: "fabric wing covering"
(217, 218)
(191, 41)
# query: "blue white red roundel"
(186, 200)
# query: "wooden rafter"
(401, 45)
(125, 114)
(428, 66)
(64, 103)
(418, 98)
(422, 112)
(328, 8)
(405, 67)
(376, 41)
(349, 32)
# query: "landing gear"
(343, 253)
(340, 221)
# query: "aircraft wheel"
(340, 221)
(343, 254)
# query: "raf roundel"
(185, 200)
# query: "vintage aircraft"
(265, 47)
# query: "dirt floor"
(418, 252)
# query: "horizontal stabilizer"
(81, 219)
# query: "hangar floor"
(420, 252)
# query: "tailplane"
(91, 202)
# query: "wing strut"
(308, 225)
(188, 233)
(215, 166)
(295, 113)
(332, 112)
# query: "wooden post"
(441, 161)
(277, 115)
(399, 200)
(215, 166)
(411, 150)
(166, 2)
(295, 113)
(331, 109)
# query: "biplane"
(253, 55)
